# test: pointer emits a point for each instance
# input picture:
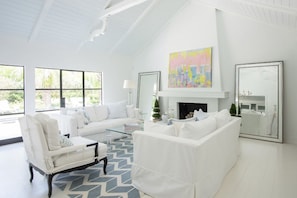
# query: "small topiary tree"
(233, 109)
(156, 111)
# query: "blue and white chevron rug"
(92, 182)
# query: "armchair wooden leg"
(105, 164)
(31, 172)
(49, 183)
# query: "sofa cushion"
(159, 128)
(90, 113)
(79, 117)
(178, 123)
(101, 112)
(199, 129)
(50, 129)
(222, 117)
(117, 110)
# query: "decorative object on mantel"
(156, 111)
(165, 117)
(190, 69)
(233, 109)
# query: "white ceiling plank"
(276, 6)
(43, 13)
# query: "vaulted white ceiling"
(281, 13)
(128, 29)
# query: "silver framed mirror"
(259, 99)
(147, 90)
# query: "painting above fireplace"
(190, 69)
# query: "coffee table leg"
(108, 137)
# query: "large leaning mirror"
(148, 87)
(259, 99)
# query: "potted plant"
(232, 109)
(156, 111)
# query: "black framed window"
(12, 100)
(92, 88)
(47, 85)
(57, 88)
(72, 88)
(11, 90)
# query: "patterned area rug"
(92, 182)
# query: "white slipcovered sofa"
(91, 121)
(186, 159)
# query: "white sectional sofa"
(188, 160)
(91, 121)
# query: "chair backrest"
(35, 142)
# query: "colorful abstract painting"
(190, 69)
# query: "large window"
(11, 90)
(47, 95)
(93, 88)
(64, 88)
(11, 100)
(72, 88)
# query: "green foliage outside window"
(11, 89)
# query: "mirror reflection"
(148, 87)
(258, 97)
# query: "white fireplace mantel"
(171, 99)
(193, 94)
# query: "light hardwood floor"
(264, 170)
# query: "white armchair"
(50, 154)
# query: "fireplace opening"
(186, 110)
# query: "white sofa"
(180, 164)
(92, 121)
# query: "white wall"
(30, 55)
(243, 40)
(193, 27)
(235, 40)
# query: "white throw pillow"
(200, 115)
(130, 111)
(64, 141)
(178, 123)
(50, 129)
(90, 113)
(117, 110)
(85, 116)
(53, 136)
(101, 112)
(222, 117)
(159, 128)
(197, 130)
(79, 119)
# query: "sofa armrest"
(167, 155)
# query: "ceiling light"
(99, 31)
(120, 7)
(117, 8)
